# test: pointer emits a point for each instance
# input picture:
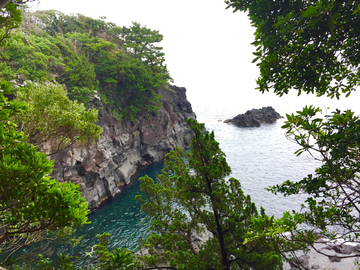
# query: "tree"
(81, 73)
(10, 18)
(192, 198)
(31, 204)
(309, 46)
(53, 118)
(334, 189)
(313, 47)
(87, 54)
(116, 259)
(140, 41)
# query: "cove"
(120, 216)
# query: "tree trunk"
(224, 257)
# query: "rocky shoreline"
(102, 168)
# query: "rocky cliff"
(124, 146)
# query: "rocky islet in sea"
(255, 117)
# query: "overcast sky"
(207, 47)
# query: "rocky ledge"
(102, 168)
(255, 117)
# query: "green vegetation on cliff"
(84, 55)
(32, 206)
(53, 118)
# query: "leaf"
(311, 11)
(299, 31)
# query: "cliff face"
(101, 168)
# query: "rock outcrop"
(102, 168)
(255, 117)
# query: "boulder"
(345, 249)
(255, 117)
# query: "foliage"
(191, 199)
(52, 117)
(81, 73)
(139, 85)
(334, 188)
(31, 204)
(81, 95)
(123, 64)
(32, 58)
(140, 41)
(116, 259)
(10, 18)
(311, 46)
(99, 258)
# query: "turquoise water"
(120, 216)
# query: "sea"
(258, 156)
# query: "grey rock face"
(102, 168)
(255, 117)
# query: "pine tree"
(192, 199)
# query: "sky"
(207, 47)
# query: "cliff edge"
(102, 168)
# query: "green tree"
(140, 41)
(333, 205)
(81, 73)
(309, 46)
(313, 47)
(53, 118)
(10, 18)
(31, 204)
(32, 57)
(192, 198)
(116, 259)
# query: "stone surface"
(345, 249)
(255, 117)
(333, 260)
(102, 168)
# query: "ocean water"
(259, 157)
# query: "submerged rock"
(255, 117)
(102, 168)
